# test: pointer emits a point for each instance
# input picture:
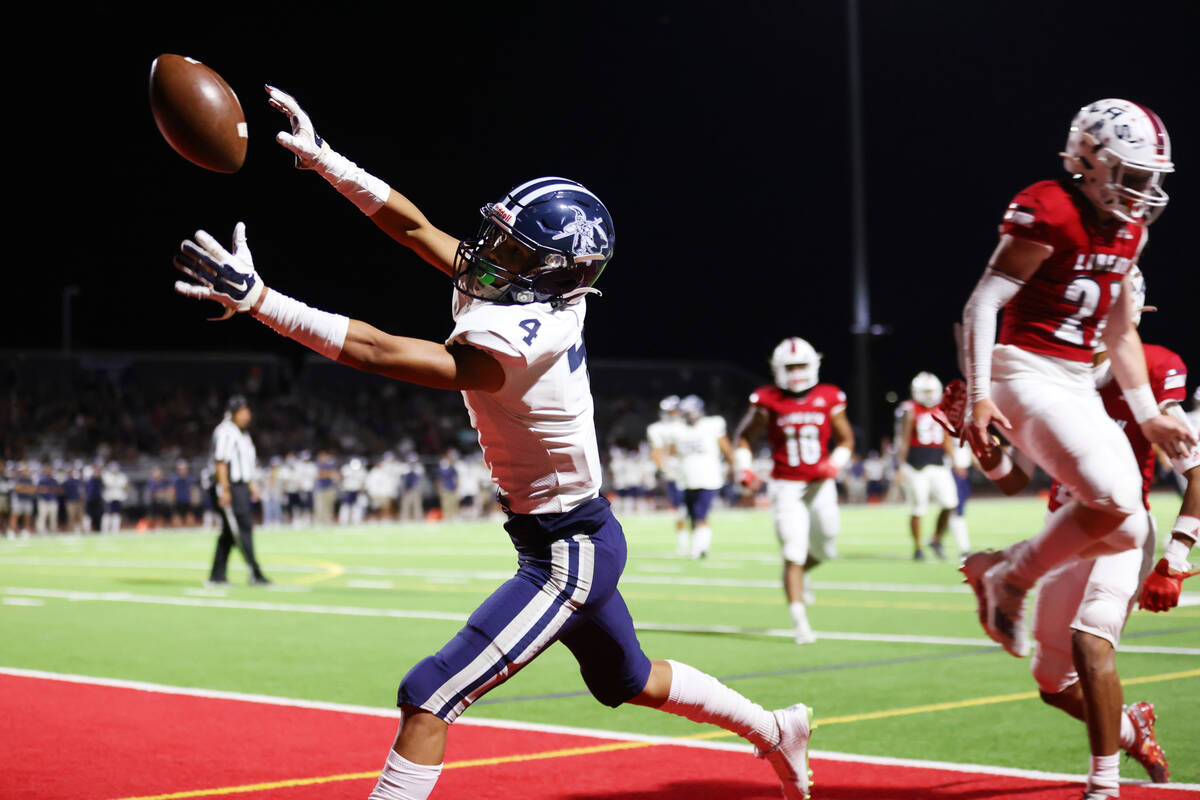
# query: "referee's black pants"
(238, 512)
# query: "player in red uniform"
(801, 418)
(1082, 605)
(1060, 273)
(924, 451)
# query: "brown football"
(197, 113)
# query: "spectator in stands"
(93, 493)
(159, 498)
(272, 492)
(353, 492)
(24, 498)
(412, 506)
(7, 481)
(73, 498)
(447, 485)
(184, 495)
(115, 493)
(325, 488)
(49, 490)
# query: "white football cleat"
(803, 632)
(973, 566)
(789, 758)
(1005, 608)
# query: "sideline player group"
(1062, 275)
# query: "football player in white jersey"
(700, 444)
(516, 353)
(660, 435)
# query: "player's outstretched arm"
(391, 211)
(1129, 367)
(229, 278)
(1160, 592)
(749, 428)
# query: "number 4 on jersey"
(531, 327)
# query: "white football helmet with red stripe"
(926, 389)
(795, 364)
(1120, 152)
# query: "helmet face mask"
(796, 365)
(546, 241)
(1120, 153)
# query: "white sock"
(1060, 540)
(683, 540)
(1128, 734)
(703, 698)
(799, 615)
(401, 779)
(701, 540)
(958, 527)
(1105, 774)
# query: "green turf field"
(902, 668)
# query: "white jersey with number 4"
(537, 432)
(698, 447)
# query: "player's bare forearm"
(843, 434)
(403, 221)
(420, 361)
(1191, 495)
(750, 427)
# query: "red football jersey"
(1168, 380)
(927, 442)
(799, 428)
(1060, 309)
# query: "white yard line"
(197, 600)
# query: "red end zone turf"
(83, 741)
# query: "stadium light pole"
(862, 329)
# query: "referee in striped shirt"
(234, 461)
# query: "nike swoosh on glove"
(224, 277)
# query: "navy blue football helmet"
(543, 242)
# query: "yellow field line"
(356, 776)
(614, 746)
(329, 570)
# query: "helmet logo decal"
(583, 230)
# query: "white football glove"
(221, 276)
(306, 146)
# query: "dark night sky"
(717, 134)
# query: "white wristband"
(315, 329)
(1001, 470)
(742, 459)
(360, 187)
(1188, 526)
(1176, 553)
(1142, 403)
(840, 457)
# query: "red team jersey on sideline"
(1059, 310)
(799, 428)
(927, 442)
(1168, 380)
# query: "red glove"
(1161, 590)
(826, 470)
(951, 414)
(749, 479)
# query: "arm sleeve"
(992, 293)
